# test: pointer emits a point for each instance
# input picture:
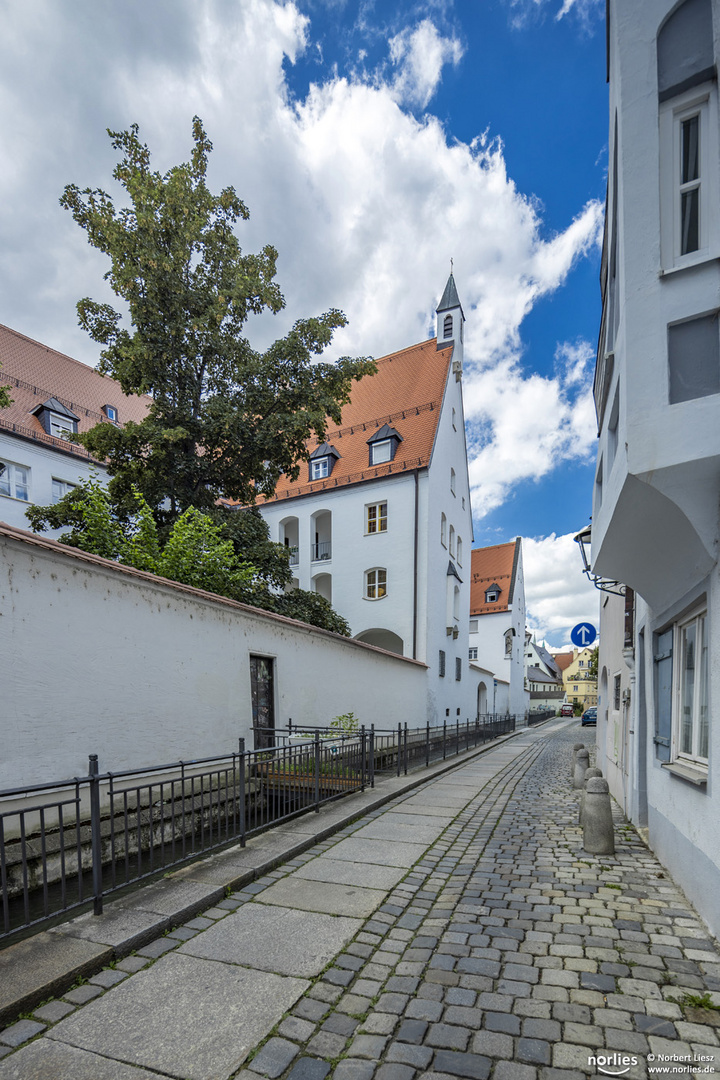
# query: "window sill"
(694, 774)
(702, 261)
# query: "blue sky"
(372, 143)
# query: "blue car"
(589, 716)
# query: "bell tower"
(449, 324)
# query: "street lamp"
(583, 540)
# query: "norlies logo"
(612, 1064)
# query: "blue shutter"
(663, 660)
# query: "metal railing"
(538, 717)
(321, 551)
(66, 845)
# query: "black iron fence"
(538, 717)
(66, 845)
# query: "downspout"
(415, 571)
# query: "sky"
(373, 143)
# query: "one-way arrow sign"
(583, 635)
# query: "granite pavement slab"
(276, 939)
(122, 928)
(49, 1060)
(390, 831)
(44, 965)
(185, 1017)
(378, 851)
(323, 896)
(342, 872)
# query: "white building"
(53, 396)
(497, 628)
(379, 522)
(657, 392)
(543, 677)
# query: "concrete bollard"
(598, 835)
(582, 762)
(576, 747)
(588, 774)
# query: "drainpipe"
(415, 570)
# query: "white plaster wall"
(615, 744)
(101, 660)
(44, 464)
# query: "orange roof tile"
(35, 373)
(494, 565)
(406, 392)
(563, 659)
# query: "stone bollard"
(588, 774)
(582, 762)
(576, 747)
(598, 835)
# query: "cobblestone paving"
(505, 953)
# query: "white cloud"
(557, 593)
(588, 12)
(420, 55)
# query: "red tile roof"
(563, 659)
(35, 373)
(406, 393)
(494, 565)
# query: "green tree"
(225, 420)
(5, 399)
(592, 668)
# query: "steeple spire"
(449, 322)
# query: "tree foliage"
(5, 399)
(225, 420)
(592, 668)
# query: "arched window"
(456, 602)
(452, 541)
(459, 551)
(443, 530)
(375, 583)
(447, 326)
(452, 481)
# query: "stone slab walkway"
(458, 931)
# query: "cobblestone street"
(502, 952)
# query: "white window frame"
(9, 479)
(319, 468)
(472, 652)
(62, 426)
(377, 523)
(111, 413)
(67, 486)
(700, 102)
(381, 452)
(698, 620)
(375, 580)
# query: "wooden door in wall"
(262, 688)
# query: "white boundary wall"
(104, 659)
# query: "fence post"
(243, 822)
(457, 736)
(363, 762)
(95, 835)
(317, 772)
(406, 749)
(290, 727)
(372, 755)
(399, 744)
(444, 738)
(427, 745)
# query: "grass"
(697, 1001)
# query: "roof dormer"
(56, 419)
(383, 445)
(492, 594)
(322, 461)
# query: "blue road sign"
(583, 634)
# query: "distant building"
(580, 683)
(543, 677)
(497, 624)
(379, 521)
(53, 396)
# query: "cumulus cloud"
(557, 593)
(420, 55)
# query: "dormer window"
(492, 594)
(56, 418)
(383, 445)
(322, 461)
(111, 413)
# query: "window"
(381, 452)
(451, 544)
(473, 626)
(456, 602)
(472, 654)
(376, 520)
(375, 584)
(62, 426)
(111, 413)
(60, 488)
(612, 437)
(693, 359)
(443, 530)
(14, 481)
(453, 420)
(616, 693)
(459, 551)
(452, 481)
(441, 664)
(690, 690)
(458, 669)
(492, 594)
(447, 326)
(319, 468)
(581, 663)
(688, 142)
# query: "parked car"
(589, 716)
(567, 710)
